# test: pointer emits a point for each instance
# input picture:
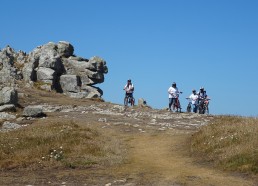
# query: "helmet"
(193, 90)
(174, 84)
(201, 88)
(129, 80)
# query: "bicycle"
(129, 99)
(203, 106)
(189, 106)
(207, 105)
(177, 104)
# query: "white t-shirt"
(129, 89)
(173, 92)
(194, 98)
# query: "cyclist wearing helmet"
(202, 93)
(194, 100)
(129, 88)
(173, 94)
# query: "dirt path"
(161, 159)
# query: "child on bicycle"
(203, 100)
(194, 100)
(129, 88)
(202, 96)
(202, 93)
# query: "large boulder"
(93, 92)
(8, 72)
(65, 49)
(45, 74)
(8, 95)
(29, 72)
(91, 71)
(33, 111)
(47, 56)
(70, 83)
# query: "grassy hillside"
(229, 142)
(57, 145)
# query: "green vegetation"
(230, 143)
(57, 145)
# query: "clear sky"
(210, 43)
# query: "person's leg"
(173, 103)
(131, 99)
(169, 103)
(194, 108)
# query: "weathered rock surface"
(6, 116)
(136, 117)
(54, 67)
(7, 107)
(70, 83)
(7, 126)
(33, 111)
(8, 95)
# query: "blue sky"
(210, 43)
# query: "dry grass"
(57, 145)
(230, 143)
(38, 84)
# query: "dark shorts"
(129, 94)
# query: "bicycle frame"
(129, 99)
(177, 105)
(203, 106)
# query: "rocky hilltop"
(52, 67)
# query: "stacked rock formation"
(53, 67)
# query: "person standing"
(202, 93)
(129, 89)
(194, 100)
(173, 94)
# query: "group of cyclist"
(196, 98)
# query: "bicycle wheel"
(126, 101)
(132, 101)
(200, 109)
(179, 106)
(188, 109)
(207, 109)
(204, 110)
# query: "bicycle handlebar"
(201, 98)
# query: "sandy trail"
(162, 159)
